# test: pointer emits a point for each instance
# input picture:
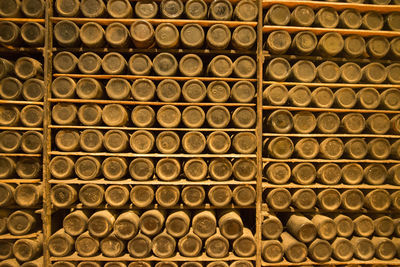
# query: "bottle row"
(28, 251)
(153, 232)
(22, 168)
(28, 116)
(143, 89)
(22, 8)
(331, 44)
(163, 64)
(340, 237)
(328, 17)
(143, 169)
(29, 90)
(244, 10)
(29, 142)
(331, 173)
(280, 69)
(166, 142)
(331, 148)
(283, 121)
(373, 2)
(144, 196)
(24, 195)
(142, 34)
(30, 33)
(323, 97)
(187, 263)
(24, 68)
(20, 222)
(167, 116)
(378, 200)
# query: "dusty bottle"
(142, 89)
(31, 116)
(352, 199)
(6, 68)
(220, 169)
(168, 90)
(278, 69)
(320, 250)
(218, 36)
(32, 142)
(87, 245)
(10, 8)
(220, 195)
(280, 147)
(67, 140)
(190, 245)
(143, 141)
(244, 195)
(204, 224)
(89, 63)
(304, 71)
(304, 199)
(167, 196)
(343, 249)
(28, 249)
(277, 15)
(171, 9)
(114, 168)
(115, 141)
(21, 222)
(375, 173)
(151, 222)
(307, 148)
(141, 169)
(168, 169)
(374, 73)
(163, 245)
(10, 141)
(390, 99)
(167, 35)
(101, 223)
(177, 224)
(61, 167)
(26, 68)
(193, 196)
(143, 116)
(67, 8)
(331, 148)
(9, 33)
(353, 123)
(114, 115)
(217, 246)
(344, 225)
(329, 173)
(294, 250)
(193, 116)
(117, 195)
(384, 248)
(243, 37)
(363, 226)
(350, 72)
(65, 62)
(244, 67)
(384, 226)
(114, 63)
(117, 35)
(379, 148)
(220, 66)
(244, 117)
(278, 173)
(92, 9)
(139, 246)
(146, 9)
(32, 33)
(87, 167)
(272, 251)
(345, 98)
(142, 195)
(304, 122)
(142, 33)
(304, 43)
(111, 246)
(327, 17)
(368, 98)
(66, 33)
(118, 89)
(329, 199)
(350, 18)
(302, 16)
(231, 225)
(356, 148)
(6, 251)
(75, 223)
(91, 140)
(119, 9)
(218, 117)
(63, 87)
(60, 244)
(140, 64)
(92, 35)
(191, 65)
(193, 142)
(245, 245)
(195, 169)
(165, 64)
(363, 248)
(301, 228)
(10, 88)
(372, 21)
(218, 142)
(34, 263)
(330, 44)
(271, 227)
(244, 169)
(354, 46)
(304, 173)
(126, 225)
(63, 195)
(326, 227)
(28, 168)
(378, 46)
(378, 200)
(278, 199)
(7, 194)
(196, 9)
(378, 123)
(328, 72)
(28, 195)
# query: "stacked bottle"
(22, 90)
(330, 109)
(158, 118)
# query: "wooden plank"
(152, 155)
(320, 135)
(17, 128)
(19, 102)
(337, 85)
(157, 206)
(151, 182)
(333, 262)
(337, 110)
(84, 127)
(336, 186)
(19, 155)
(23, 20)
(12, 237)
(294, 160)
(339, 6)
(20, 181)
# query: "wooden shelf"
(22, 20)
(156, 50)
(156, 78)
(361, 161)
(176, 22)
(12, 49)
(267, 185)
(152, 155)
(127, 257)
(267, 211)
(82, 127)
(336, 110)
(336, 85)
(333, 262)
(152, 103)
(19, 155)
(335, 5)
(11, 237)
(319, 31)
(340, 135)
(21, 181)
(157, 206)
(17, 128)
(19, 102)
(151, 182)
